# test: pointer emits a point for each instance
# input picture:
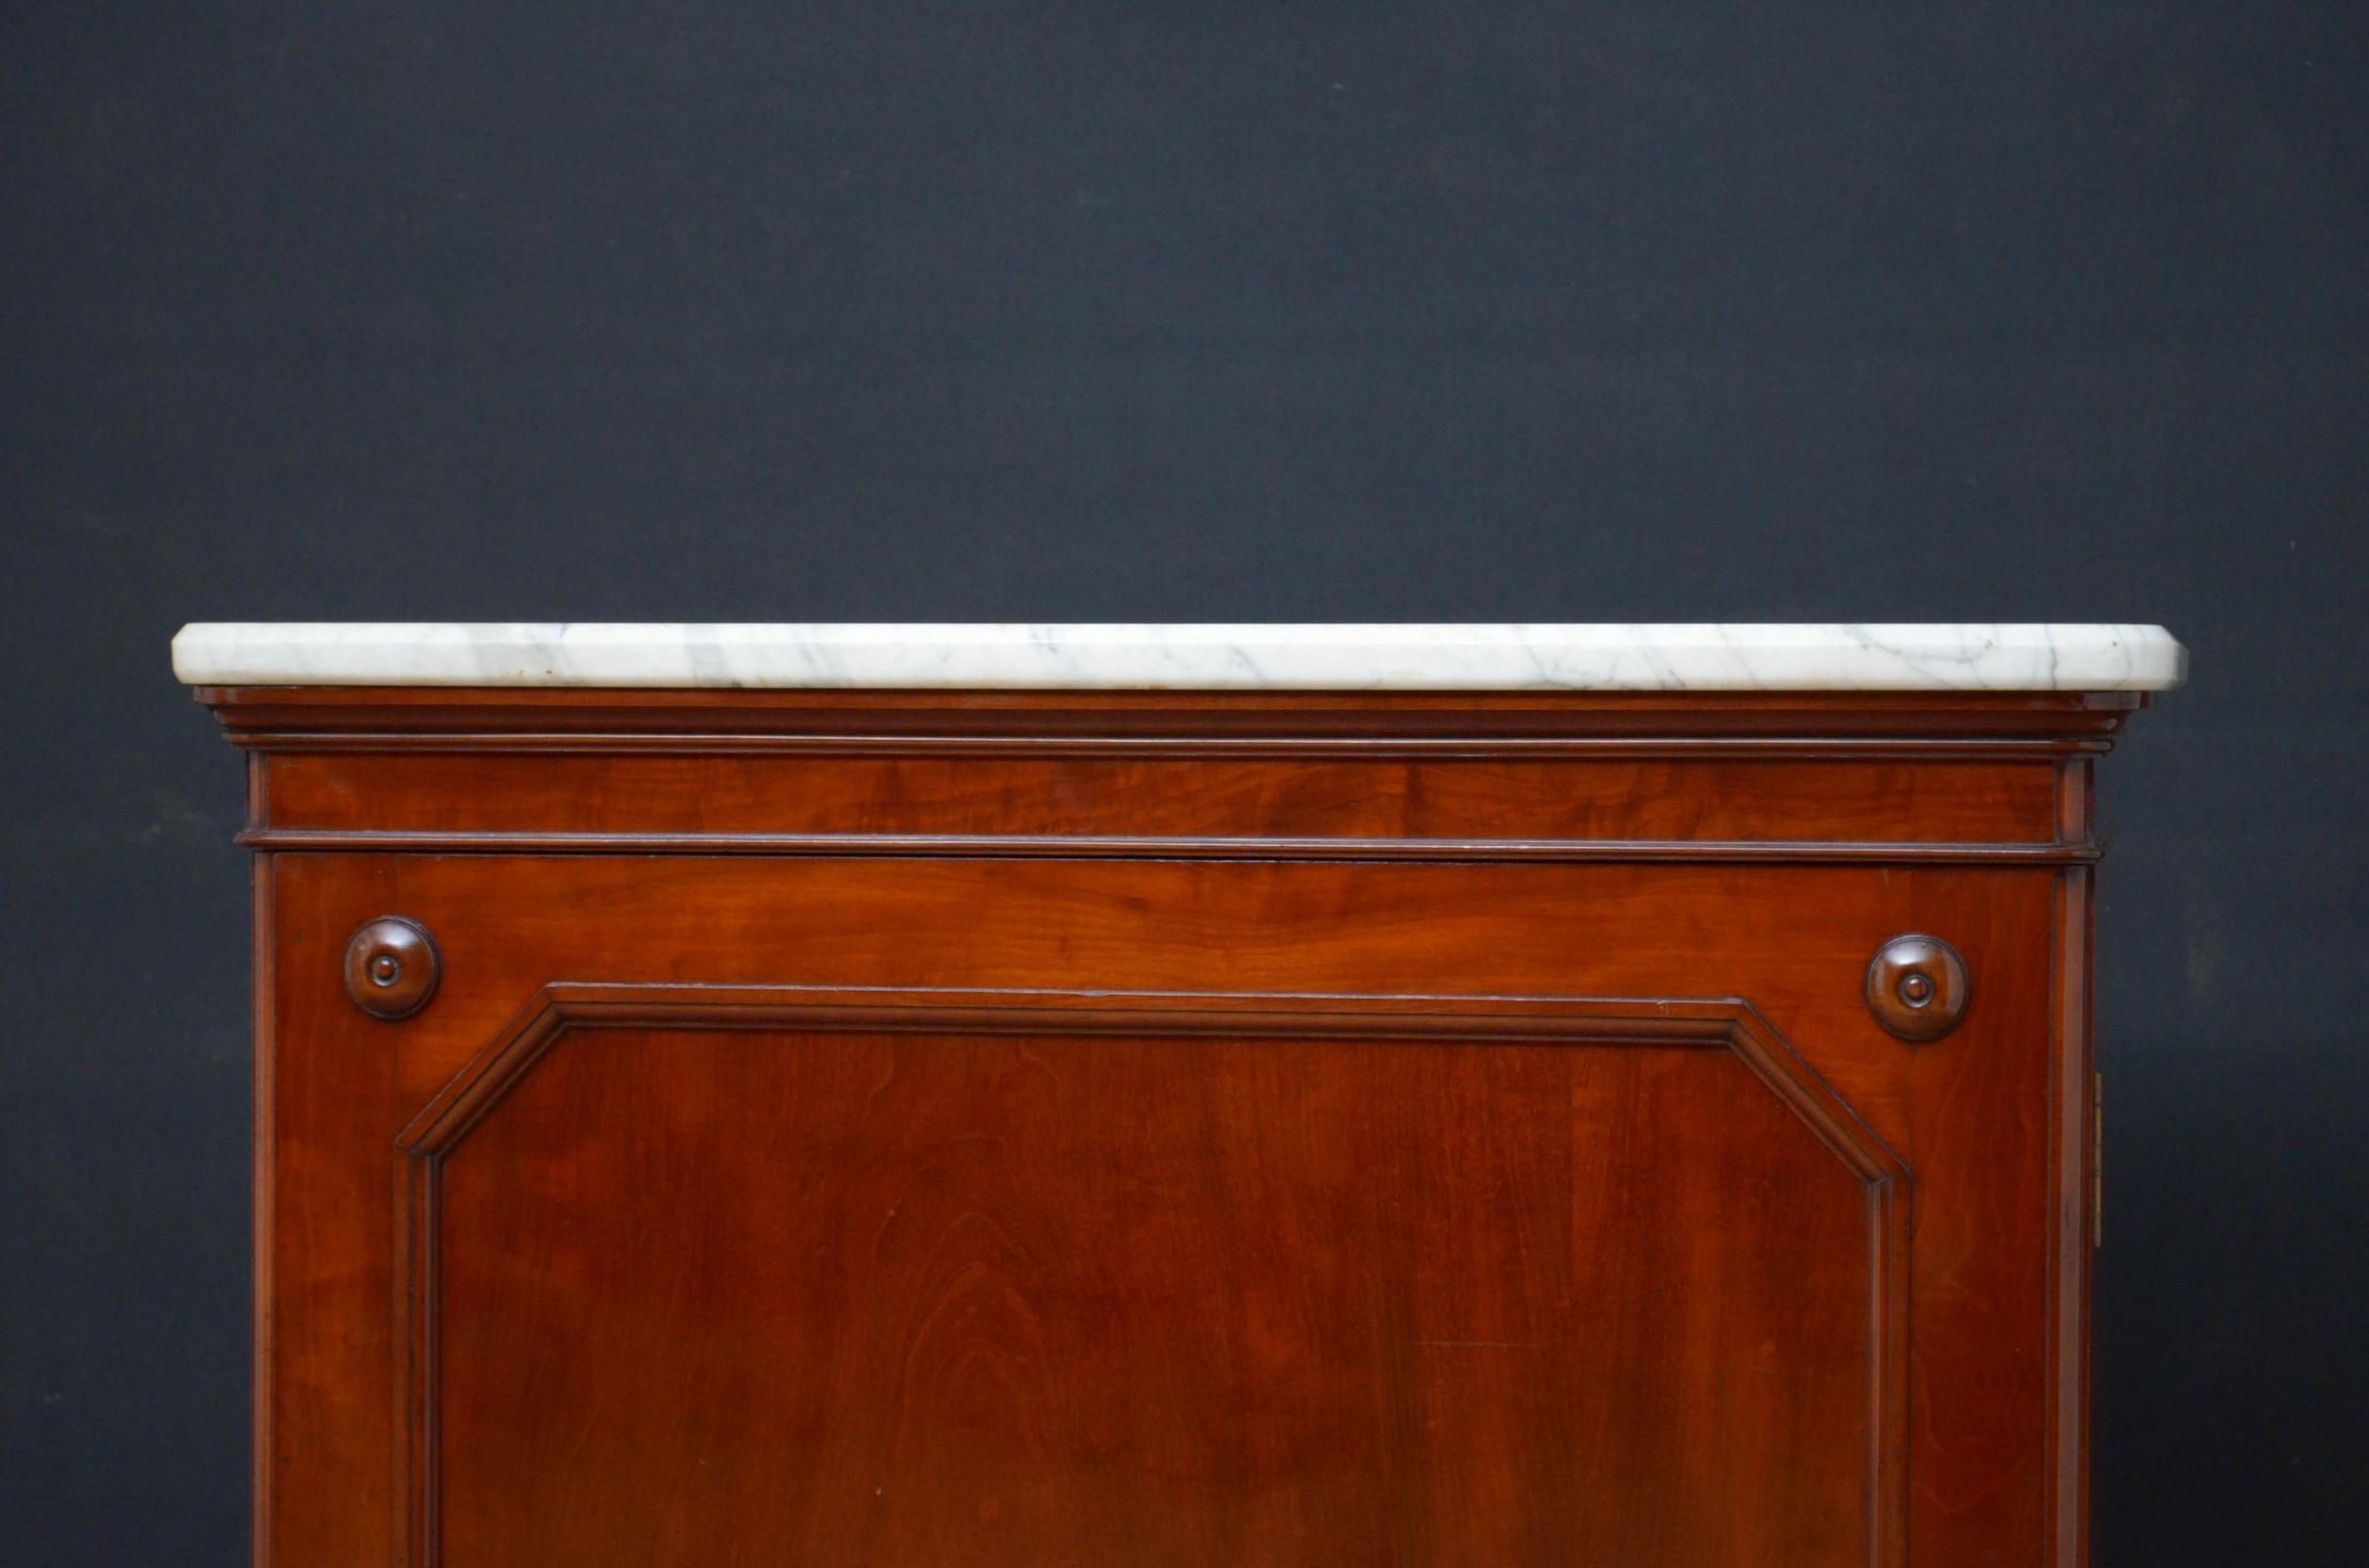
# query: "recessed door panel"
(741, 1275)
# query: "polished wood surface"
(1918, 988)
(391, 967)
(1044, 1277)
(1398, 1172)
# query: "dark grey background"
(1371, 311)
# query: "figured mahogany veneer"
(1169, 1128)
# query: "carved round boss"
(1917, 987)
(391, 967)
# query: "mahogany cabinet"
(1088, 1126)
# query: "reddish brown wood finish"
(1165, 1130)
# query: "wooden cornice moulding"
(1702, 796)
(969, 723)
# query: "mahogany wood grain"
(1029, 1278)
(322, 717)
(892, 1206)
(1517, 800)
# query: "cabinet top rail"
(1735, 657)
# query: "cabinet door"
(942, 1212)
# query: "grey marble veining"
(1495, 657)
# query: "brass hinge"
(2097, 1160)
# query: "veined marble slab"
(1502, 658)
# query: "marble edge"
(2075, 657)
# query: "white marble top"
(1714, 657)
